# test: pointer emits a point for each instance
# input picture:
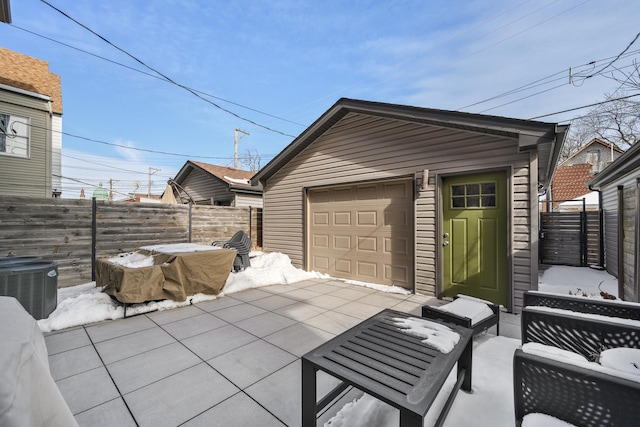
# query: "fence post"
(190, 219)
(94, 210)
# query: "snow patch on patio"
(84, 304)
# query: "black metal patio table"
(378, 358)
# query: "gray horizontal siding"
(361, 148)
(27, 176)
(203, 188)
(246, 200)
(610, 222)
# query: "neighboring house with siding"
(206, 184)
(571, 176)
(30, 126)
(413, 197)
(619, 185)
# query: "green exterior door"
(475, 236)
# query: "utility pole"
(111, 181)
(237, 139)
(151, 172)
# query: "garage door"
(363, 232)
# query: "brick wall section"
(32, 74)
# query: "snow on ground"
(582, 281)
(492, 381)
(83, 304)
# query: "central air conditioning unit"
(32, 281)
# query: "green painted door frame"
(474, 236)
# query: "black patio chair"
(241, 243)
(583, 335)
(574, 394)
(579, 304)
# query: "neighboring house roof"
(30, 74)
(570, 182)
(629, 161)
(594, 141)
(237, 180)
(547, 138)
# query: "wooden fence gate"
(571, 238)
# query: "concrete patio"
(231, 361)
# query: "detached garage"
(438, 202)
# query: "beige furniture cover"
(173, 276)
(28, 394)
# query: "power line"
(154, 76)
(585, 106)
(524, 97)
(541, 82)
(164, 76)
(617, 57)
(113, 144)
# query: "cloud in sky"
(294, 59)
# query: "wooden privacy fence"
(75, 232)
(571, 238)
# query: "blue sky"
(282, 63)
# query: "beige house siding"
(363, 148)
(29, 176)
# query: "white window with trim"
(14, 135)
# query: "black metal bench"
(603, 307)
(430, 312)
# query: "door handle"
(445, 243)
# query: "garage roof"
(547, 138)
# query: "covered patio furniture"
(28, 394)
(175, 273)
(473, 313)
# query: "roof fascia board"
(245, 190)
(184, 171)
(25, 92)
(561, 132)
(470, 122)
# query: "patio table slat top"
(379, 371)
